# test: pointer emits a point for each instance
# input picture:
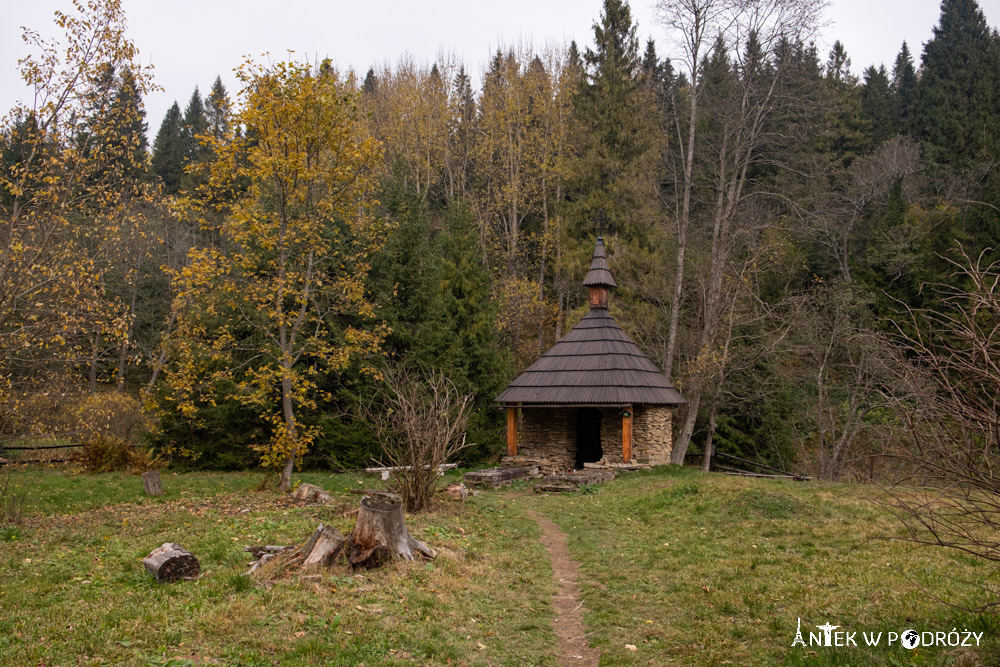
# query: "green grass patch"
(689, 568)
(73, 588)
(704, 569)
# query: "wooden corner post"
(511, 430)
(627, 435)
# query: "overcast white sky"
(189, 42)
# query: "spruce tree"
(477, 362)
(615, 169)
(195, 124)
(168, 150)
(958, 90)
(196, 152)
(844, 133)
(609, 99)
(659, 75)
(371, 82)
(128, 116)
(217, 110)
(838, 65)
(877, 108)
(904, 92)
(573, 58)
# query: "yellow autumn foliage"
(290, 200)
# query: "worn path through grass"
(693, 568)
(574, 647)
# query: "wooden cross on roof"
(599, 220)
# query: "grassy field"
(709, 569)
(685, 567)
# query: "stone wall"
(549, 435)
(611, 435)
(652, 434)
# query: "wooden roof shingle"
(599, 274)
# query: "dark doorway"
(588, 436)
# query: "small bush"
(142, 459)
(104, 454)
(110, 415)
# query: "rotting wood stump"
(322, 547)
(171, 562)
(380, 535)
(151, 483)
(312, 493)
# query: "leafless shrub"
(420, 421)
(11, 503)
(947, 394)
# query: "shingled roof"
(596, 363)
(599, 274)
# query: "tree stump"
(171, 562)
(323, 547)
(151, 483)
(380, 535)
(312, 493)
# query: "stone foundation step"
(580, 477)
(555, 488)
(492, 478)
(617, 466)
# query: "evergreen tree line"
(769, 215)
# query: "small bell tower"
(599, 278)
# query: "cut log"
(457, 491)
(312, 493)
(171, 562)
(380, 535)
(151, 483)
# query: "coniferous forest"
(809, 254)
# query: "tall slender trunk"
(129, 336)
(706, 464)
(290, 426)
(95, 343)
(694, 389)
(541, 268)
(682, 229)
(162, 358)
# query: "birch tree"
(67, 185)
(265, 310)
(750, 63)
